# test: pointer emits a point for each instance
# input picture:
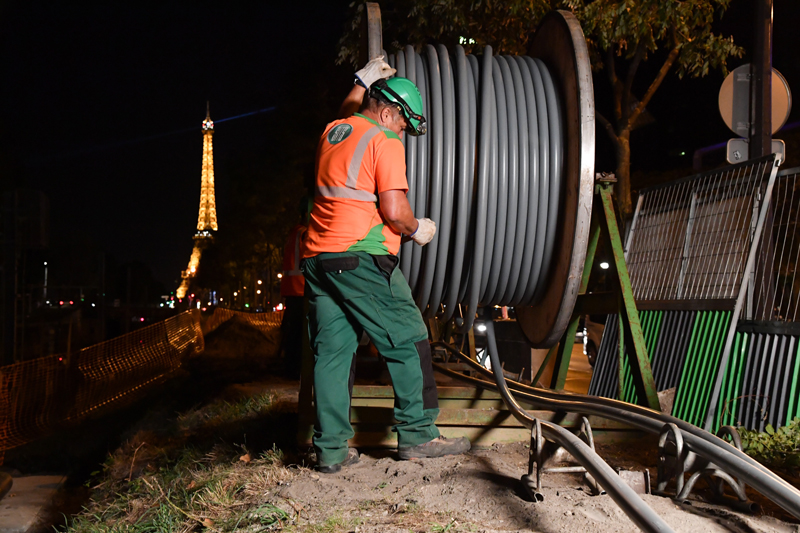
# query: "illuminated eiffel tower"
(207, 217)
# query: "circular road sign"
(734, 100)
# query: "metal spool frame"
(560, 43)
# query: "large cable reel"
(507, 172)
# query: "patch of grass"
(439, 528)
(225, 411)
(333, 524)
(189, 476)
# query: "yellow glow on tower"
(207, 217)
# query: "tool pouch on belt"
(339, 264)
(386, 264)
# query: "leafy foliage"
(505, 24)
(775, 447)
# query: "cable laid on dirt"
(701, 442)
(623, 495)
(489, 172)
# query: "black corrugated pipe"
(624, 496)
(728, 458)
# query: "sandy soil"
(481, 491)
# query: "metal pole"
(374, 31)
(751, 258)
(761, 83)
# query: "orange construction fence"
(41, 395)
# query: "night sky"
(102, 104)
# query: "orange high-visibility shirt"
(293, 282)
(357, 159)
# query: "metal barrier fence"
(689, 238)
(687, 254)
(775, 288)
(40, 395)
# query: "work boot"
(351, 459)
(438, 447)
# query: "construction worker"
(350, 266)
(292, 288)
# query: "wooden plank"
(443, 403)
(370, 415)
(479, 437)
(379, 391)
(447, 417)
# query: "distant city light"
(247, 305)
(481, 327)
(141, 319)
(604, 265)
(162, 305)
(280, 307)
(234, 293)
(70, 302)
(258, 291)
(45, 263)
(259, 282)
(280, 275)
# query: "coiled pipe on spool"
(498, 174)
(519, 167)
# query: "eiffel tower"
(207, 217)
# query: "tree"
(621, 35)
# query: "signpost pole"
(761, 83)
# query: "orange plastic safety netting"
(41, 395)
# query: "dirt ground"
(480, 491)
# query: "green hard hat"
(403, 92)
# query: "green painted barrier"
(699, 369)
(651, 326)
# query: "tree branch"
(612, 134)
(626, 93)
(616, 85)
(673, 55)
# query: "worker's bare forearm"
(397, 212)
(352, 102)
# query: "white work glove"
(425, 231)
(373, 71)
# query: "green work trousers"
(348, 293)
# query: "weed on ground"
(192, 473)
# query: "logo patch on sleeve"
(339, 133)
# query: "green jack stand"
(619, 301)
